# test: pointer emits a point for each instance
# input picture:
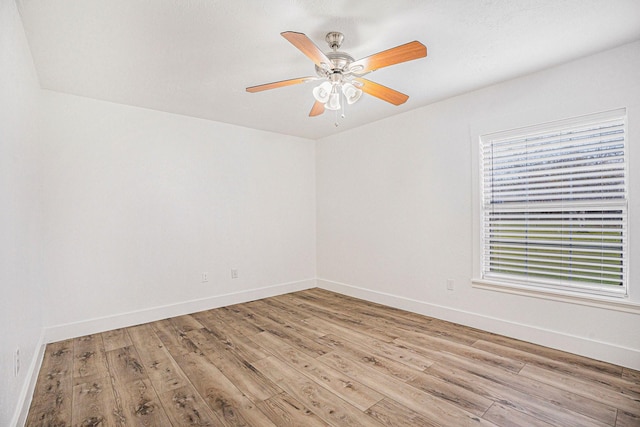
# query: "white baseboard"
(603, 351)
(101, 324)
(24, 400)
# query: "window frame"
(537, 286)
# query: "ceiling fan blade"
(317, 109)
(275, 85)
(306, 46)
(382, 92)
(395, 55)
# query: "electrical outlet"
(234, 273)
(205, 277)
(16, 362)
(450, 284)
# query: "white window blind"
(555, 205)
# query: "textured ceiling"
(195, 57)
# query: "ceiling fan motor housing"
(339, 63)
(339, 60)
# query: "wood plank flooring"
(317, 358)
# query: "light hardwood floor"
(316, 358)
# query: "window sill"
(548, 294)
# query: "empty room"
(319, 213)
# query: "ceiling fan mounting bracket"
(334, 38)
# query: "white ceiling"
(195, 57)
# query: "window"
(554, 205)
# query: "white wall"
(138, 203)
(20, 213)
(395, 206)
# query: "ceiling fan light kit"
(342, 76)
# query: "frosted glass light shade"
(322, 92)
(351, 92)
(334, 101)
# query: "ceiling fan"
(342, 75)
